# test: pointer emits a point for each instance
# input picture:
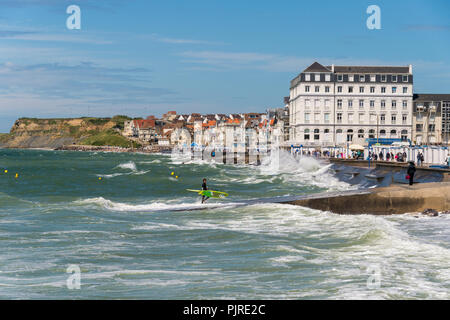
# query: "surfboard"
(210, 193)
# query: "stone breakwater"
(395, 199)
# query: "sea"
(97, 225)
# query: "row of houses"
(221, 131)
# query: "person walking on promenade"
(411, 171)
(421, 158)
(381, 155)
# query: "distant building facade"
(431, 119)
(342, 105)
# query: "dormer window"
(362, 78)
(350, 78)
(307, 77)
(405, 78)
(327, 77)
(383, 78)
(373, 78)
(317, 77)
(340, 77)
(394, 78)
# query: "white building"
(341, 105)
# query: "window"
(405, 78)
(339, 131)
(316, 103)
(306, 136)
(350, 89)
(372, 89)
(431, 127)
(361, 103)
(307, 103)
(373, 118)
(326, 131)
(316, 117)
(361, 117)
(404, 119)
(394, 104)
(383, 104)
(327, 89)
(360, 133)
(350, 78)
(339, 89)
(317, 89)
(383, 89)
(393, 132)
(383, 78)
(316, 136)
(382, 132)
(393, 119)
(339, 117)
(339, 104)
(394, 89)
(394, 78)
(404, 135)
(306, 88)
(362, 78)
(306, 117)
(373, 78)
(361, 89)
(316, 131)
(307, 77)
(419, 127)
(405, 104)
(327, 77)
(327, 104)
(372, 103)
(317, 77)
(350, 104)
(327, 117)
(340, 77)
(405, 89)
(350, 118)
(382, 118)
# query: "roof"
(370, 69)
(317, 67)
(144, 124)
(425, 97)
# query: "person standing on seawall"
(411, 171)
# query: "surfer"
(204, 187)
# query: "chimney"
(332, 67)
(410, 69)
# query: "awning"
(356, 147)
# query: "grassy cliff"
(56, 132)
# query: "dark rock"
(445, 212)
(430, 212)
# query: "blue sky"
(141, 57)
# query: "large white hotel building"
(341, 105)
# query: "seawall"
(395, 199)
